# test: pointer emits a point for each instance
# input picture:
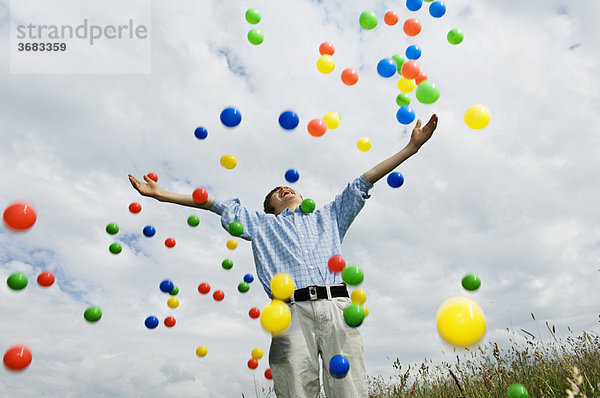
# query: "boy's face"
(283, 197)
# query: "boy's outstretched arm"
(419, 136)
(153, 190)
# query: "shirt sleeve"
(349, 203)
(231, 210)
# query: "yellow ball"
(228, 161)
(460, 321)
(332, 119)
(358, 296)
(201, 351)
(282, 286)
(325, 64)
(477, 116)
(276, 316)
(231, 244)
(173, 302)
(363, 144)
(406, 85)
(257, 353)
(366, 311)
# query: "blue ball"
(339, 366)
(166, 286)
(248, 278)
(414, 5)
(151, 322)
(413, 52)
(231, 117)
(149, 231)
(395, 179)
(387, 67)
(292, 175)
(289, 120)
(201, 133)
(405, 114)
(437, 9)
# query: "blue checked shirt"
(297, 243)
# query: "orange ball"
(391, 18)
(317, 127)
(349, 76)
(19, 216)
(326, 48)
(421, 78)
(412, 27)
(410, 69)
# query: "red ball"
(19, 216)
(326, 48)
(17, 357)
(421, 78)
(169, 321)
(410, 69)
(268, 374)
(135, 207)
(45, 278)
(199, 195)
(349, 76)
(254, 312)
(336, 263)
(218, 295)
(412, 27)
(153, 177)
(317, 127)
(204, 288)
(170, 242)
(391, 18)
(253, 363)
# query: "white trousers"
(317, 328)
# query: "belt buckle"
(312, 292)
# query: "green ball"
(17, 281)
(402, 99)
(368, 20)
(174, 291)
(353, 275)
(252, 16)
(455, 36)
(517, 390)
(471, 282)
(427, 92)
(400, 60)
(227, 264)
(92, 314)
(354, 314)
(115, 248)
(243, 287)
(112, 228)
(193, 221)
(255, 36)
(236, 228)
(308, 205)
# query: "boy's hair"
(267, 206)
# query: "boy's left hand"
(421, 135)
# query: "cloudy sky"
(515, 203)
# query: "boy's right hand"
(150, 188)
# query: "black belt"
(319, 292)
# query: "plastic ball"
(92, 314)
(358, 296)
(170, 242)
(455, 36)
(201, 133)
(257, 353)
(427, 92)
(292, 175)
(288, 120)
(112, 229)
(387, 67)
(406, 114)
(231, 244)
(336, 263)
(353, 275)
(193, 221)
(248, 278)
(437, 9)
(413, 52)
(421, 78)
(204, 288)
(460, 321)
(349, 76)
(268, 374)
(173, 302)
(201, 351)
(218, 295)
(254, 312)
(252, 363)
(414, 5)
(325, 64)
(517, 390)
(339, 366)
(230, 117)
(363, 144)
(252, 16)
(410, 69)
(412, 27)
(477, 116)
(402, 99)
(308, 205)
(471, 282)
(243, 287)
(354, 315)
(19, 216)
(256, 37)
(235, 228)
(45, 279)
(169, 321)
(115, 248)
(282, 286)
(391, 18)
(17, 281)
(199, 195)
(149, 231)
(135, 207)
(332, 119)
(326, 48)
(17, 357)
(368, 20)
(166, 286)
(395, 179)
(317, 127)
(366, 311)
(400, 60)
(406, 85)
(153, 177)
(227, 264)
(151, 322)
(275, 316)
(174, 291)
(228, 161)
